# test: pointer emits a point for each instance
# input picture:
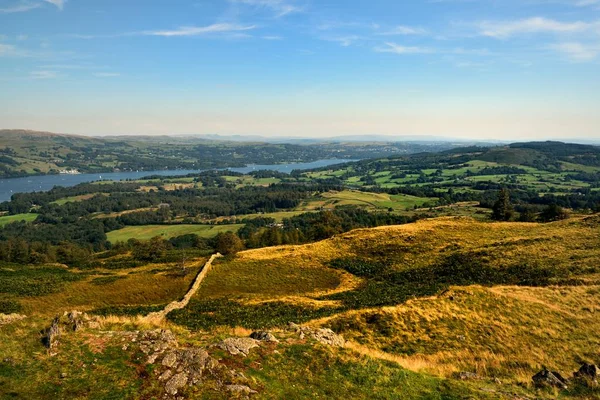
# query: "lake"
(29, 184)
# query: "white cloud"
(58, 3)
(506, 29)
(44, 75)
(279, 7)
(399, 49)
(22, 6)
(576, 51)
(201, 30)
(6, 49)
(405, 30)
(344, 41)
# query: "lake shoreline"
(44, 183)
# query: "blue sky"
(489, 69)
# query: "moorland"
(454, 274)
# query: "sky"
(476, 69)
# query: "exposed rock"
(235, 346)
(241, 389)
(328, 337)
(549, 378)
(52, 335)
(293, 327)
(155, 343)
(589, 371)
(323, 335)
(165, 375)
(176, 383)
(78, 320)
(170, 359)
(264, 336)
(6, 319)
(468, 376)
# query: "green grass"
(7, 219)
(305, 371)
(146, 232)
(74, 199)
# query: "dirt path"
(177, 305)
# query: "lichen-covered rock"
(322, 335)
(235, 346)
(264, 336)
(176, 383)
(328, 337)
(170, 359)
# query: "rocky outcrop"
(322, 335)
(547, 378)
(235, 346)
(263, 336)
(68, 321)
(587, 371)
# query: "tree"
(527, 215)
(553, 213)
(502, 209)
(151, 250)
(228, 243)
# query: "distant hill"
(24, 152)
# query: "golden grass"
(140, 286)
(506, 332)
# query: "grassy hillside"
(25, 152)
(419, 304)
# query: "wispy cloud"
(279, 7)
(200, 30)
(399, 49)
(58, 3)
(577, 52)
(345, 41)
(6, 49)
(22, 6)
(404, 30)
(507, 29)
(43, 75)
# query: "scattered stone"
(264, 337)
(170, 360)
(468, 376)
(63, 375)
(176, 383)
(235, 346)
(328, 337)
(549, 378)
(165, 375)
(241, 389)
(323, 335)
(293, 327)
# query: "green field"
(379, 201)
(168, 231)
(19, 217)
